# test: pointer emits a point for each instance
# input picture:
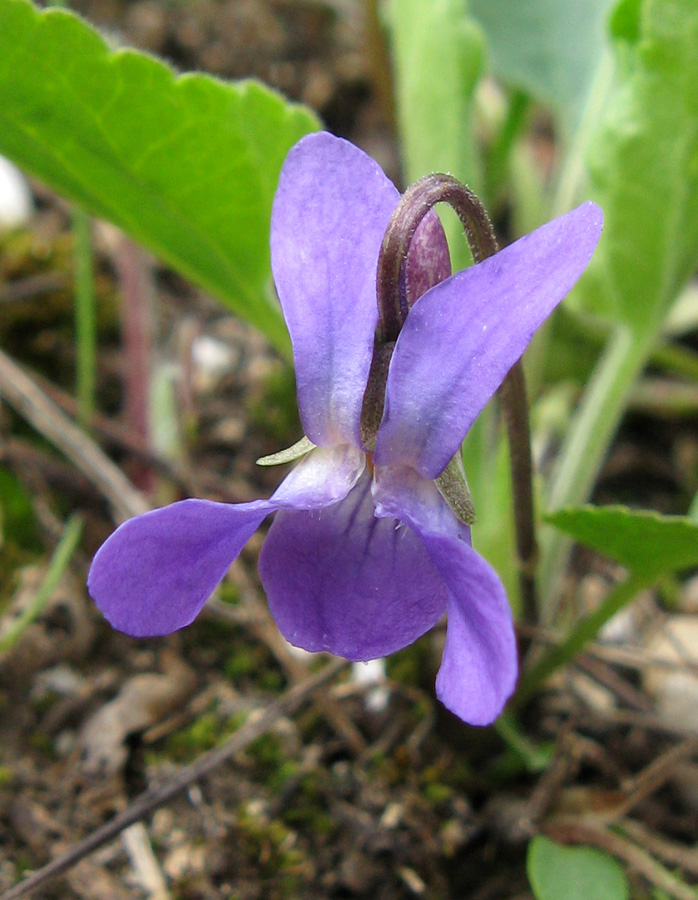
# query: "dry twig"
(151, 800)
(31, 403)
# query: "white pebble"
(16, 204)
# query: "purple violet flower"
(365, 555)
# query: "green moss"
(267, 752)
(42, 703)
(311, 818)
(253, 661)
(437, 793)
(24, 864)
(42, 742)
(387, 768)
(271, 680)
(413, 665)
(308, 808)
(12, 559)
(244, 661)
(288, 769)
(273, 847)
(310, 787)
(229, 593)
(17, 518)
(203, 734)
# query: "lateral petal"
(479, 666)
(480, 660)
(156, 571)
(154, 574)
(462, 337)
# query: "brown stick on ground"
(151, 800)
(21, 392)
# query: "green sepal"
(290, 454)
(453, 487)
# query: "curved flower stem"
(586, 445)
(416, 202)
(419, 199)
(512, 394)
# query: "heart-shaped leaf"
(187, 164)
(647, 543)
(573, 873)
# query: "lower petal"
(343, 581)
(479, 666)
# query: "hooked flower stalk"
(365, 554)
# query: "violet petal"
(479, 666)
(343, 581)
(156, 571)
(462, 337)
(324, 476)
(330, 211)
(480, 662)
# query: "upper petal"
(479, 667)
(156, 571)
(343, 581)
(462, 337)
(330, 211)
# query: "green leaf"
(186, 164)
(643, 161)
(625, 21)
(437, 52)
(573, 873)
(647, 543)
(17, 518)
(549, 48)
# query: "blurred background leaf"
(573, 873)
(642, 169)
(187, 165)
(437, 55)
(643, 166)
(647, 543)
(548, 48)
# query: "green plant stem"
(85, 330)
(57, 566)
(579, 637)
(535, 758)
(380, 63)
(677, 359)
(585, 448)
(498, 162)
